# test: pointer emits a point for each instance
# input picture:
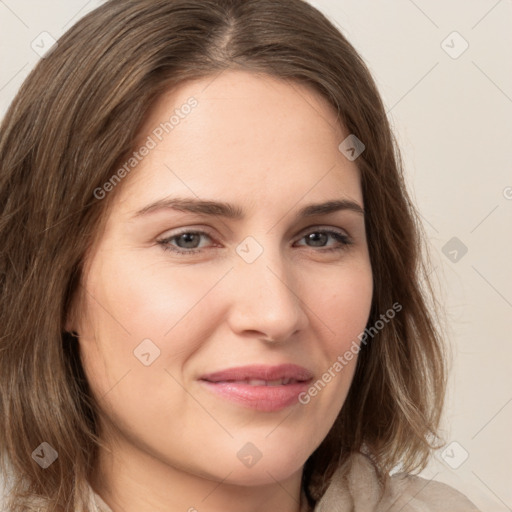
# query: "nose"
(265, 298)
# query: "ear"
(71, 321)
(69, 324)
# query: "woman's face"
(163, 312)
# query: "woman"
(211, 273)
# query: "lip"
(229, 384)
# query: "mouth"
(273, 375)
(263, 388)
(259, 382)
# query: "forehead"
(241, 131)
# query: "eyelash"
(343, 239)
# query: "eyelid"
(189, 229)
(333, 231)
(323, 227)
(302, 233)
(163, 242)
(343, 239)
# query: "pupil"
(315, 237)
(186, 237)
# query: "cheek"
(141, 320)
(131, 301)
(344, 304)
(343, 307)
(136, 334)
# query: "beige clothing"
(359, 491)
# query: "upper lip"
(260, 372)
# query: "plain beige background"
(444, 70)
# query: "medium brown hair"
(75, 118)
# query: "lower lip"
(261, 398)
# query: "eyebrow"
(231, 211)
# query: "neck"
(131, 480)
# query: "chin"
(273, 464)
(261, 475)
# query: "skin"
(270, 147)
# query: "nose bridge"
(266, 299)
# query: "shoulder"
(356, 485)
(414, 493)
